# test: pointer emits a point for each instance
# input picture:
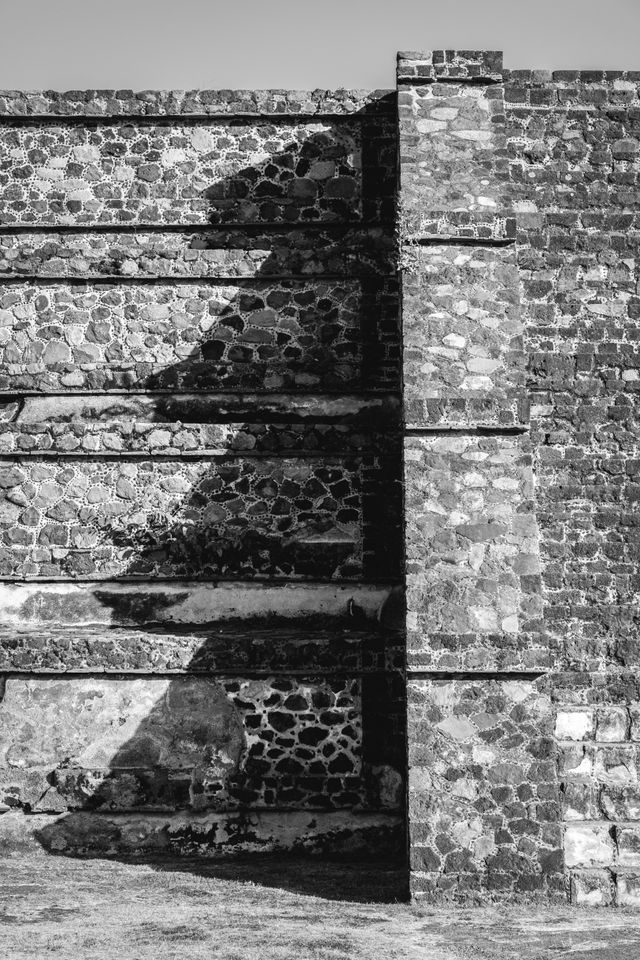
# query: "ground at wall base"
(99, 909)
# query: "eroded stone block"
(587, 845)
(574, 724)
(592, 888)
(628, 842)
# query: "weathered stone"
(588, 845)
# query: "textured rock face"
(192, 743)
(473, 529)
(199, 445)
(483, 792)
(557, 158)
(573, 145)
(214, 392)
(255, 334)
(168, 172)
(175, 519)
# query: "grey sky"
(65, 44)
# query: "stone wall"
(200, 501)
(574, 152)
(206, 463)
(518, 210)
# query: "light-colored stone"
(587, 845)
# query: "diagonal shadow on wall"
(320, 739)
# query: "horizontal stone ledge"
(246, 648)
(186, 604)
(274, 104)
(607, 687)
(341, 251)
(203, 408)
(505, 673)
(444, 226)
(127, 439)
(208, 835)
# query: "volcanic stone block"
(472, 537)
(483, 791)
(628, 843)
(628, 890)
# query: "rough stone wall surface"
(483, 778)
(199, 444)
(534, 176)
(574, 161)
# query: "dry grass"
(273, 909)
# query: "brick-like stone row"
(192, 440)
(345, 251)
(330, 646)
(251, 334)
(534, 79)
(442, 65)
(157, 103)
(442, 226)
(484, 652)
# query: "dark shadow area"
(348, 879)
(330, 740)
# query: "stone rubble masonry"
(483, 780)
(199, 317)
(199, 409)
(556, 159)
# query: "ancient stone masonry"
(213, 490)
(200, 473)
(518, 209)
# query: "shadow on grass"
(353, 880)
